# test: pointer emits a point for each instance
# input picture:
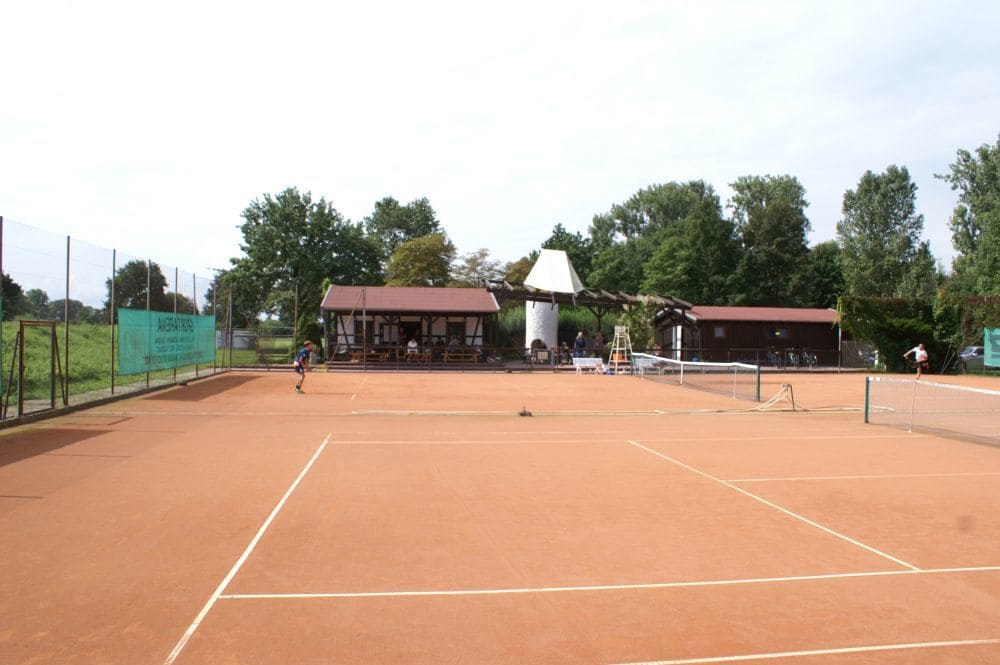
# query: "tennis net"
(738, 380)
(940, 408)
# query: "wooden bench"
(461, 356)
(594, 364)
(418, 357)
(377, 356)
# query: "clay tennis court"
(417, 518)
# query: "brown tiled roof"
(415, 299)
(776, 314)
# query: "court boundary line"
(885, 476)
(579, 439)
(618, 412)
(176, 651)
(770, 504)
(817, 652)
(600, 587)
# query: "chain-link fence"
(60, 332)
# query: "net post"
(913, 405)
(868, 387)
(758, 383)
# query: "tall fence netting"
(57, 283)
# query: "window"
(778, 333)
(363, 333)
(719, 332)
(456, 329)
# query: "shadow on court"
(200, 390)
(39, 442)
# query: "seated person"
(564, 353)
(413, 346)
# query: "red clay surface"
(415, 518)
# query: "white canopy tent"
(553, 272)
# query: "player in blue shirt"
(301, 363)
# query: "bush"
(511, 322)
(895, 325)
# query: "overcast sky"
(149, 127)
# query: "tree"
(922, 277)
(391, 224)
(620, 266)
(602, 233)
(11, 298)
(825, 277)
(130, 289)
(623, 240)
(879, 237)
(769, 214)
(975, 222)
(37, 303)
(291, 244)
(247, 297)
(577, 248)
(184, 304)
(516, 272)
(655, 209)
(700, 252)
(78, 312)
(216, 300)
(475, 269)
(421, 262)
(893, 324)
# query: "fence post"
(194, 312)
(229, 332)
(1, 316)
(65, 376)
(149, 278)
(111, 314)
(176, 286)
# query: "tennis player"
(921, 358)
(301, 363)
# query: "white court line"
(579, 437)
(360, 386)
(801, 518)
(790, 436)
(872, 477)
(817, 652)
(239, 563)
(607, 587)
(466, 442)
(240, 414)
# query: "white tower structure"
(541, 321)
(552, 273)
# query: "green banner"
(149, 341)
(991, 347)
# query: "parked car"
(971, 357)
